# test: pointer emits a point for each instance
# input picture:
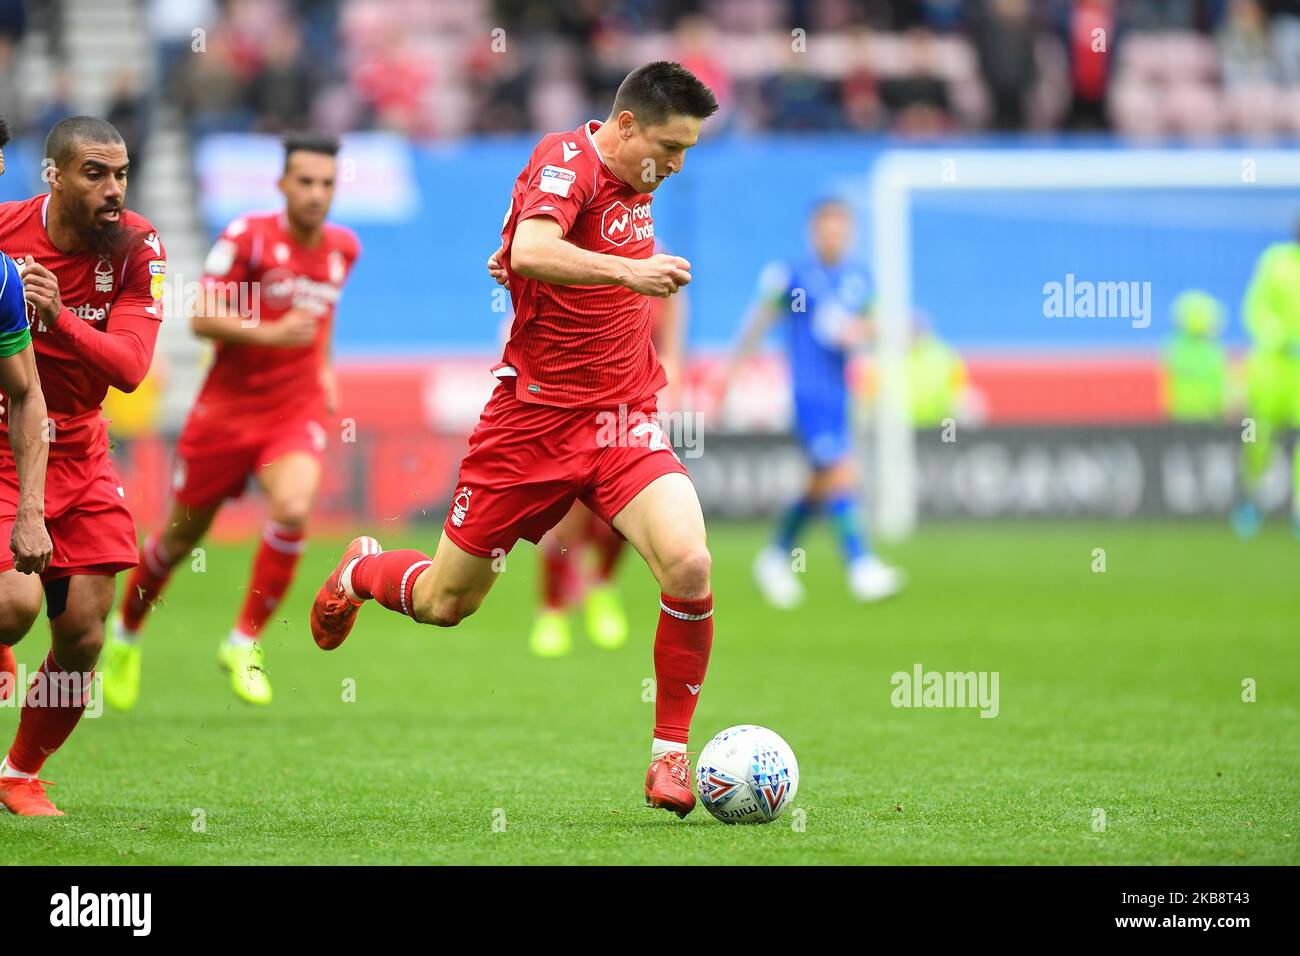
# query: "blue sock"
(843, 512)
(792, 521)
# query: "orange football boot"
(333, 613)
(668, 783)
(25, 796)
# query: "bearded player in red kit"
(93, 274)
(262, 411)
(578, 250)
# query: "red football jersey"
(129, 285)
(259, 268)
(580, 346)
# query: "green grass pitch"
(1119, 691)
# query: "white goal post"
(900, 174)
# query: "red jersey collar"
(590, 127)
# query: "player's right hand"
(660, 276)
(496, 270)
(294, 329)
(30, 543)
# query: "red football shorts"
(212, 464)
(85, 514)
(528, 463)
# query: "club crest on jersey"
(619, 224)
(460, 506)
(557, 180)
(103, 275)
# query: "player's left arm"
(122, 353)
(328, 379)
(29, 541)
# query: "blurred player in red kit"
(563, 577)
(262, 411)
(93, 275)
(573, 416)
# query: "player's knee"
(686, 571)
(291, 511)
(17, 618)
(447, 610)
(78, 649)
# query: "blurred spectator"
(918, 99)
(798, 99)
(1245, 49)
(1090, 37)
(282, 88)
(127, 111)
(175, 25)
(1285, 25)
(1004, 41)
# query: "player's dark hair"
(67, 134)
(829, 204)
(321, 143)
(4, 133)
(658, 90)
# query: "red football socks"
(682, 645)
(609, 546)
(273, 568)
(557, 574)
(147, 580)
(389, 577)
(54, 703)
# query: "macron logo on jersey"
(557, 180)
(570, 150)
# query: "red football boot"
(8, 671)
(333, 613)
(25, 796)
(668, 783)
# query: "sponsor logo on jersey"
(154, 243)
(283, 289)
(557, 180)
(89, 313)
(103, 275)
(618, 224)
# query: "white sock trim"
(345, 580)
(8, 771)
(405, 575)
(271, 537)
(685, 617)
(660, 747)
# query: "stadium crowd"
(448, 68)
